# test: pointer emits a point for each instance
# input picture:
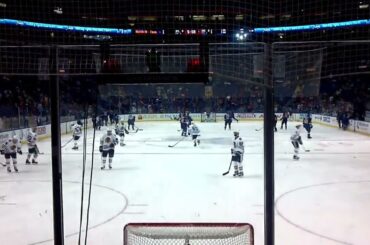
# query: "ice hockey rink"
(323, 198)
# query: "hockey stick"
(137, 130)
(38, 151)
(228, 171)
(177, 142)
(304, 148)
(67, 143)
(259, 129)
(3, 164)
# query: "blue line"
(22, 23)
(311, 27)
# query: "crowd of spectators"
(27, 103)
(24, 101)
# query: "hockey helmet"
(15, 139)
(236, 133)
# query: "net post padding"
(189, 232)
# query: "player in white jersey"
(107, 143)
(237, 153)
(10, 148)
(121, 131)
(76, 133)
(195, 133)
(296, 141)
(32, 146)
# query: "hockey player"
(275, 122)
(228, 118)
(32, 146)
(345, 121)
(184, 125)
(237, 153)
(284, 120)
(131, 122)
(189, 119)
(107, 143)
(121, 131)
(185, 122)
(307, 124)
(296, 141)
(10, 148)
(195, 133)
(76, 132)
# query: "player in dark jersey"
(307, 124)
(228, 118)
(284, 120)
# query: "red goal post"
(188, 234)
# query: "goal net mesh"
(188, 234)
(208, 117)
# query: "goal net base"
(188, 234)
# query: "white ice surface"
(322, 199)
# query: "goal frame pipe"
(187, 224)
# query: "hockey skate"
(309, 136)
(75, 148)
(102, 167)
(8, 169)
(28, 162)
(241, 174)
(110, 166)
(34, 161)
(122, 144)
(236, 174)
(15, 169)
(198, 141)
(296, 157)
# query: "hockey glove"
(2, 152)
(232, 151)
(101, 148)
(112, 145)
(20, 152)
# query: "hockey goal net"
(188, 234)
(208, 117)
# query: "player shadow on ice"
(230, 176)
(119, 169)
